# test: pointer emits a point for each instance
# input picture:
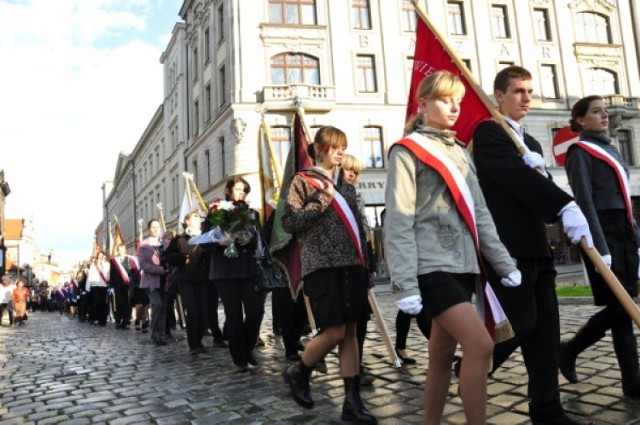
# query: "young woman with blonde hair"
(437, 225)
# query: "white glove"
(514, 279)
(411, 305)
(575, 224)
(534, 160)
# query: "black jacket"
(521, 200)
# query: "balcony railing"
(312, 97)
(627, 107)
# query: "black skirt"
(338, 295)
(442, 290)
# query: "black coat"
(521, 200)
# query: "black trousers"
(532, 309)
(123, 308)
(403, 324)
(243, 309)
(100, 308)
(194, 301)
(291, 318)
(213, 299)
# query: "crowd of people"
(458, 225)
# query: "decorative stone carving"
(238, 126)
(595, 5)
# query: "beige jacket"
(423, 231)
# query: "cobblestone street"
(56, 370)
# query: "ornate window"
(541, 24)
(292, 12)
(626, 147)
(290, 68)
(366, 71)
(592, 28)
(455, 18)
(408, 14)
(372, 147)
(500, 21)
(361, 14)
(600, 81)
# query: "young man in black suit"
(522, 197)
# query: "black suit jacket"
(521, 200)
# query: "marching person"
(152, 281)
(235, 279)
(97, 284)
(432, 253)
(326, 221)
(119, 271)
(522, 198)
(19, 298)
(6, 292)
(192, 267)
(599, 179)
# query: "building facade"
(348, 64)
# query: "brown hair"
(501, 81)
(326, 138)
(232, 182)
(580, 109)
(436, 85)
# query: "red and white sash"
(121, 270)
(99, 270)
(341, 207)
(621, 174)
(488, 306)
(133, 262)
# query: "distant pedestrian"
(20, 297)
(153, 278)
(97, 284)
(119, 272)
(6, 291)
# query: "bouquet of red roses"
(231, 219)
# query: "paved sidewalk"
(55, 370)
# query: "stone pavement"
(55, 370)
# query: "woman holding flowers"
(234, 272)
(327, 223)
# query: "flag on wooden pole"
(270, 172)
(283, 246)
(432, 53)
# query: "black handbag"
(270, 274)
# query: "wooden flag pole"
(312, 320)
(614, 284)
(373, 302)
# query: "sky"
(79, 82)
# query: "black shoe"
(353, 409)
(298, 381)
(321, 367)
(219, 343)
(366, 379)
(277, 331)
(567, 364)
(194, 351)
(242, 369)
(253, 361)
(405, 360)
(160, 343)
(294, 357)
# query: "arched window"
(600, 81)
(592, 28)
(292, 12)
(290, 68)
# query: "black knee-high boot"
(297, 376)
(353, 410)
(569, 350)
(626, 348)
